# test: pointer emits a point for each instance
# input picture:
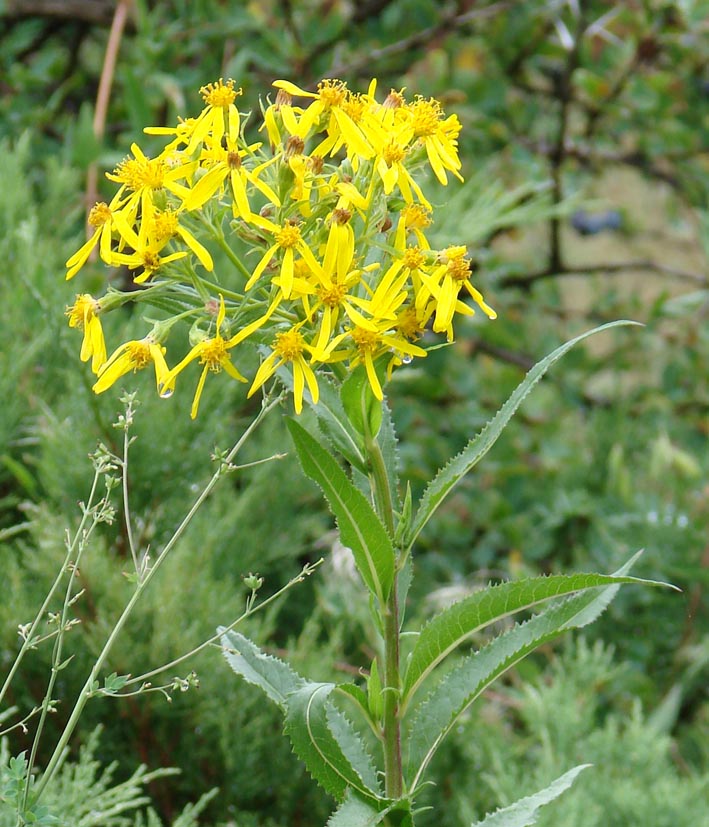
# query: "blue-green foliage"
(577, 707)
(617, 476)
(86, 793)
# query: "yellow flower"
(339, 249)
(391, 168)
(333, 296)
(143, 176)
(288, 238)
(329, 104)
(365, 346)
(136, 355)
(83, 314)
(100, 217)
(226, 163)
(213, 354)
(445, 283)
(439, 136)
(182, 132)
(166, 225)
(219, 116)
(148, 243)
(289, 346)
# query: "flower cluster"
(310, 244)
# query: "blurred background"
(585, 151)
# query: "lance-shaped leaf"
(447, 630)
(270, 674)
(434, 717)
(475, 450)
(388, 444)
(523, 813)
(328, 745)
(354, 812)
(335, 425)
(360, 527)
(363, 408)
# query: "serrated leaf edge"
(410, 688)
(506, 664)
(441, 485)
(553, 790)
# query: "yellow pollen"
(459, 268)
(219, 93)
(214, 354)
(332, 295)
(136, 174)
(367, 341)
(233, 160)
(100, 214)
(289, 345)
(85, 305)
(355, 106)
(288, 236)
(413, 258)
(139, 355)
(426, 116)
(332, 92)
(151, 261)
(417, 216)
(393, 153)
(165, 224)
(409, 325)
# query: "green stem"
(391, 721)
(28, 639)
(60, 750)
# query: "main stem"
(391, 722)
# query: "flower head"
(325, 254)
(289, 347)
(83, 314)
(213, 354)
(132, 356)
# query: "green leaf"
(354, 812)
(358, 696)
(523, 813)
(360, 528)
(475, 450)
(335, 425)
(328, 745)
(270, 674)
(388, 444)
(444, 632)
(374, 693)
(434, 717)
(362, 407)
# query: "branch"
(99, 12)
(448, 23)
(525, 282)
(557, 155)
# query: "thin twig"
(448, 23)
(557, 155)
(610, 268)
(104, 95)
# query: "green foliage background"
(607, 456)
